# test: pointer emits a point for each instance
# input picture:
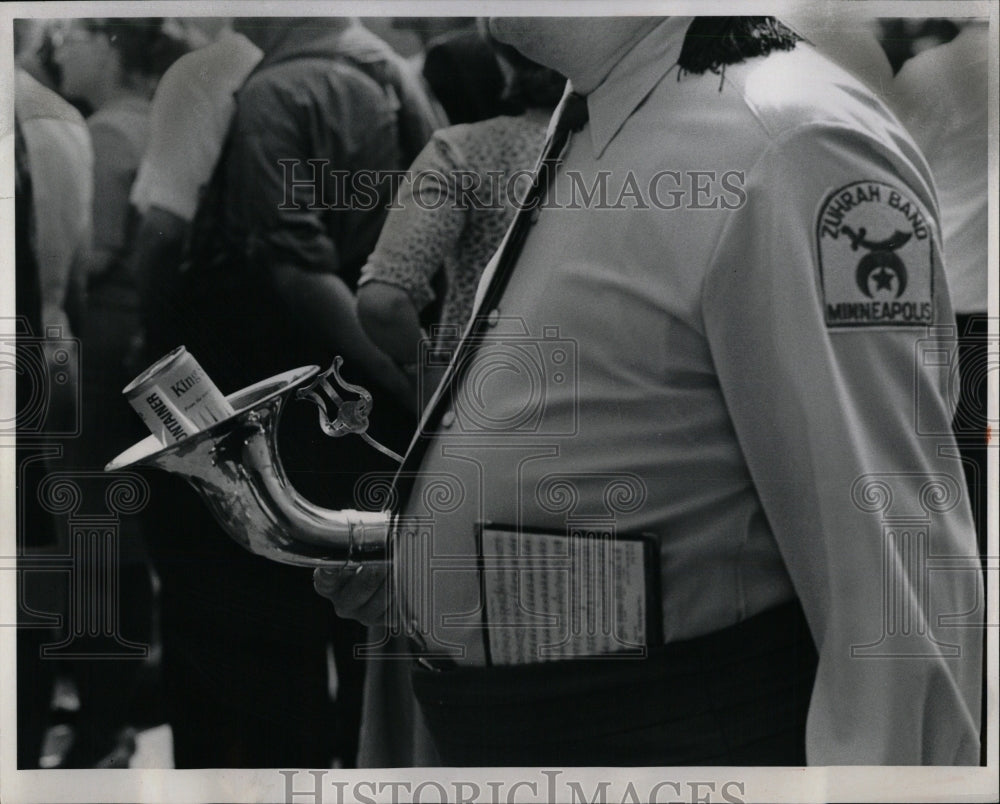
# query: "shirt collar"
(632, 79)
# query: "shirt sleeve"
(423, 224)
(417, 117)
(839, 396)
(186, 134)
(115, 165)
(62, 164)
(280, 191)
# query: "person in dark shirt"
(268, 286)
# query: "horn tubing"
(348, 533)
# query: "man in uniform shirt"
(714, 334)
(941, 97)
(190, 115)
(53, 191)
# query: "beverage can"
(176, 398)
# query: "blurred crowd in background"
(150, 213)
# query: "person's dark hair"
(22, 30)
(712, 43)
(533, 86)
(145, 49)
(464, 75)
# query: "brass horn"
(235, 466)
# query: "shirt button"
(448, 419)
(493, 318)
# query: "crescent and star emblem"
(881, 265)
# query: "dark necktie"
(572, 117)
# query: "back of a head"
(28, 35)
(145, 49)
(528, 84)
(464, 76)
(268, 33)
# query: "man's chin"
(509, 30)
(496, 27)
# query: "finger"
(357, 576)
(364, 596)
(357, 592)
(375, 611)
(330, 580)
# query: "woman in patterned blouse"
(451, 211)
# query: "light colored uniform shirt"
(192, 108)
(942, 98)
(738, 376)
(848, 38)
(119, 131)
(62, 163)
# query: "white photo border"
(872, 784)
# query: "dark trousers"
(244, 644)
(969, 424)
(35, 678)
(245, 639)
(970, 428)
(735, 697)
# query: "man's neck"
(599, 58)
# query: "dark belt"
(734, 697)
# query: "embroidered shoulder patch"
(876, 258)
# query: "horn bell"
(235, 466)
